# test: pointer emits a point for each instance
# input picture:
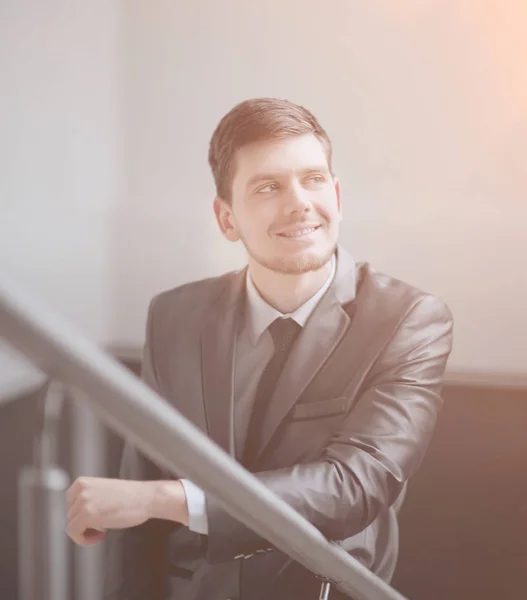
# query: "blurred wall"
(61, 151)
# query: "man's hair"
(258, 120)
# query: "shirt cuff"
(197, 509)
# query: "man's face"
(285, 205)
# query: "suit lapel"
(321, 335)
(218, 348)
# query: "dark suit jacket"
(347, 426)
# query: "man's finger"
(85, 536)
(83, 528)
(71, 493)
(75, 508)
(76, 528)
(77, 487)
(93, 536)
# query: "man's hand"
(96, 504)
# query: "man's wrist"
(169, 502)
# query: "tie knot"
(283, 331)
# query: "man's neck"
(287, 293)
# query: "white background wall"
(61, 151)
(107, 194)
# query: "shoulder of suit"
(381, 292)
(193, 296)
(390, 295)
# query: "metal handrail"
(132, 409)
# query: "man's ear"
(225, 219)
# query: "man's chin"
(305, 262)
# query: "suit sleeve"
(136, 556)
(380, 445)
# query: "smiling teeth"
(300, 233)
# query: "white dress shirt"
(254, 349)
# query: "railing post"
(43, 545)
(89, 451)
(325, 588)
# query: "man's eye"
(317, 179)
(271, 187)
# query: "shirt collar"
(261, 314)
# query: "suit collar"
(344, 285)
(218, 348)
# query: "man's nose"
(297, 200)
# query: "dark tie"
(284, 333)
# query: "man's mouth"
(300, 232)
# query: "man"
(320, 375)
